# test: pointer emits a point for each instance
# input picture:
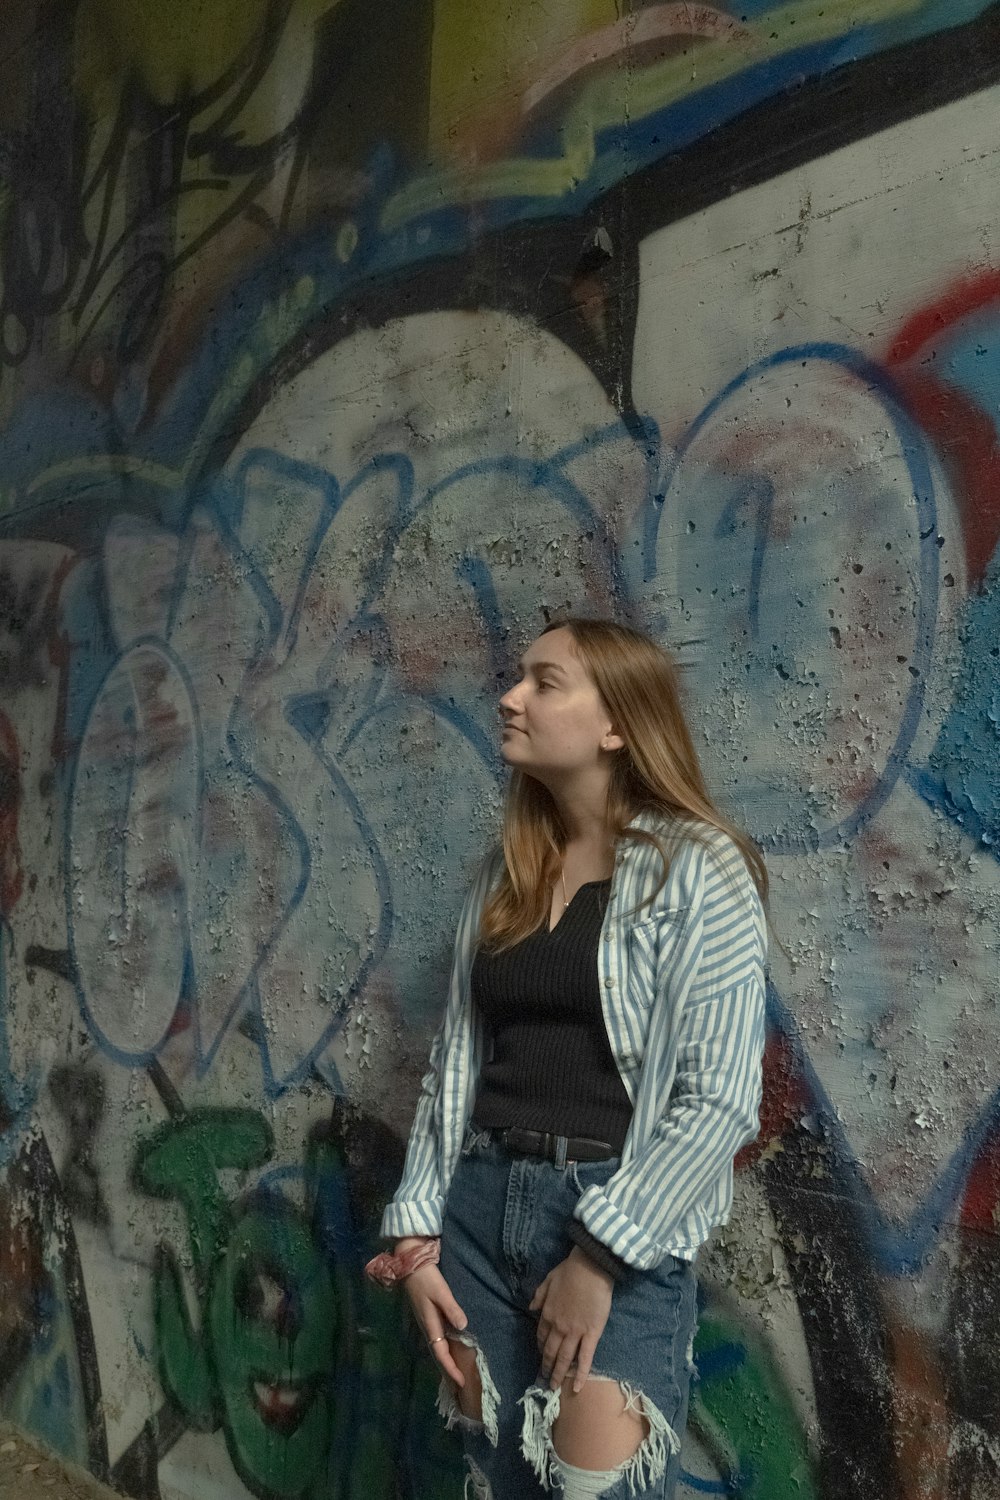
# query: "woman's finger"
(550, 1353)
(584, 1361)
(539, 1297)
(542, 1333)
(450, 1311)
(437, 1343)
(436, 1291)
(564, 1358)
(442, 1353)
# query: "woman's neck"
(582, 805)
(588, 853)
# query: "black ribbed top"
(548, 1060)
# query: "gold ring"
(438, 1340)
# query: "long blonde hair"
(656, 772)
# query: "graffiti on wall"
(292, 1355)
(319, 400)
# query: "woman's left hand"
(573, 1303)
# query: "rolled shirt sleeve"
(699, 1091)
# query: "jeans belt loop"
(560, 1153)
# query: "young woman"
(597, 1069)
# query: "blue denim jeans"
(505, 1228)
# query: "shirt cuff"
(418, 1217)
(603, 1258)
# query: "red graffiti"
(786, 1099)
(963, 432)
(981, 1201)
(969, 295)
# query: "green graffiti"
(261, 1363)
(312, 1375)
(183, 1158)
(742, 1411)
(185, 1368)
(274, 1327)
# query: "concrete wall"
(340, 347)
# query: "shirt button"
(607, 937)
(610, 983)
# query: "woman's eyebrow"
(541, 666)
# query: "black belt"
(544, 1143)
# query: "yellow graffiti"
(346, 241)
(105, 464)
(224, 73)
(485, 52)
(180, 48)
(622, 95)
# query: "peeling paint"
(338, 353)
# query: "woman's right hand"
(435, 1310)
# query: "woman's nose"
(510, 702)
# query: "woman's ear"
(612, 741)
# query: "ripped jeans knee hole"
(447, 1399)
(647, 1465)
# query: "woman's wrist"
(590, 1266)
(597, 1253)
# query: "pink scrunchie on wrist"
(388, 1268)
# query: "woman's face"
(554, 720)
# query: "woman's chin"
(514, 757)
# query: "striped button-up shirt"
(682, 987)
